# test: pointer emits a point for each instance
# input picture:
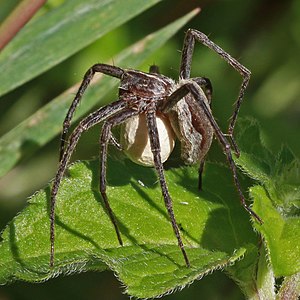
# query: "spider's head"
(137, 85)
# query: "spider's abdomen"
(135, 139)
(192, 128)
(137, 85)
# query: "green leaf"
(254, 274)
(278, 174)
(276, 200)
(42, 126)
(215, 231)
(265, 277)
(58, 34)
(281, 234)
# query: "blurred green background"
(263, 35)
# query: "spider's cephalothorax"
(153, 111)
(147, 87)
(146, 92)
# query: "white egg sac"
(135, 139)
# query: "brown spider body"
(143, 91)
(192, 126)
(151, 108)
(141, 88)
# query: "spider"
(153, 111)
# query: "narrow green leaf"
(58, 34)
(42, 126)
(214, 227)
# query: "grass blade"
(58, 34)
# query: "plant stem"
(290, 289)
(17, 19)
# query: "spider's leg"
(155, 148)
(185, 69)
(207, 88)
(115, 142)
(193, 88)
(200, 171)
(180, 92)
(206, 85)
(97, 68)
(105, 137)
(91, 120)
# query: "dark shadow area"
(216, 237)
(13, 245)
(104, 285)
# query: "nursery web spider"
(167, 110)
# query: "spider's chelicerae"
(153, 111)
